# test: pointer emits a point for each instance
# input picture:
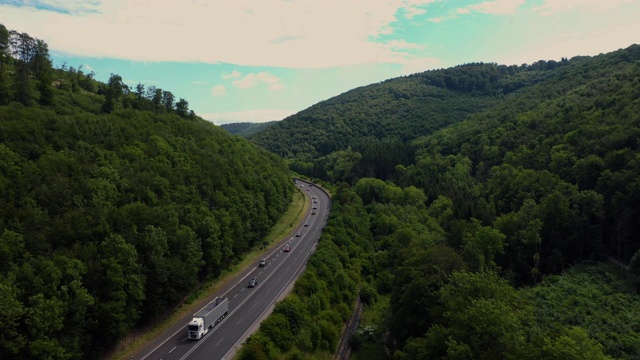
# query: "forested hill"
(395, 110)
(376, 123)
(399, 109)
(491, 215)
(246, 129)
(114, 204)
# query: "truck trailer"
(208, 317)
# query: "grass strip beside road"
(140, 337)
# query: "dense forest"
(502, 218)
(114, 204)
(478, 212)
(246, 129)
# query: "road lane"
(249, 306)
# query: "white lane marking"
(292, 276)
(239, 321)
(185, 339)
(234, 296)
(219, 341)
(170, 351)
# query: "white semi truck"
(205, 319)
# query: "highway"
(248, 306)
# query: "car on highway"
(286, 248)
(306, 223)
(253, 282)
(315, 201)
(298, 234)
(262, 263)
(313, 212)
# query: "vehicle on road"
(298, 234)
(306, 223)
(253, 282)
(287, 248)
(205, 319)
(313, 212)
(262, 263)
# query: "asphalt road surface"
(248, 306)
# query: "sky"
(263, 60)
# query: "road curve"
(249, 306)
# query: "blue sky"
(261, 60)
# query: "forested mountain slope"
(506, 134)
(377, 122)
(491, 237)
(114, 205)
(570, 143)
(246, 129)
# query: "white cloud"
(497, 7)
(421, 65)
(255, 116)
(402, 44)
(411, 12)
(253, 79)
(573, 43)
(300, 34)
(438, 20)
(550, 7)
(218, 90)
(233, 74)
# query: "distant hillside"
(114, 205)
(489, 137)
(378, 120)
(498, 199)
(246, 129)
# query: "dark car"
(313, 212)
(253, 282)
(262, 263)
(287, 248)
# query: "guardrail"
(344, 348)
